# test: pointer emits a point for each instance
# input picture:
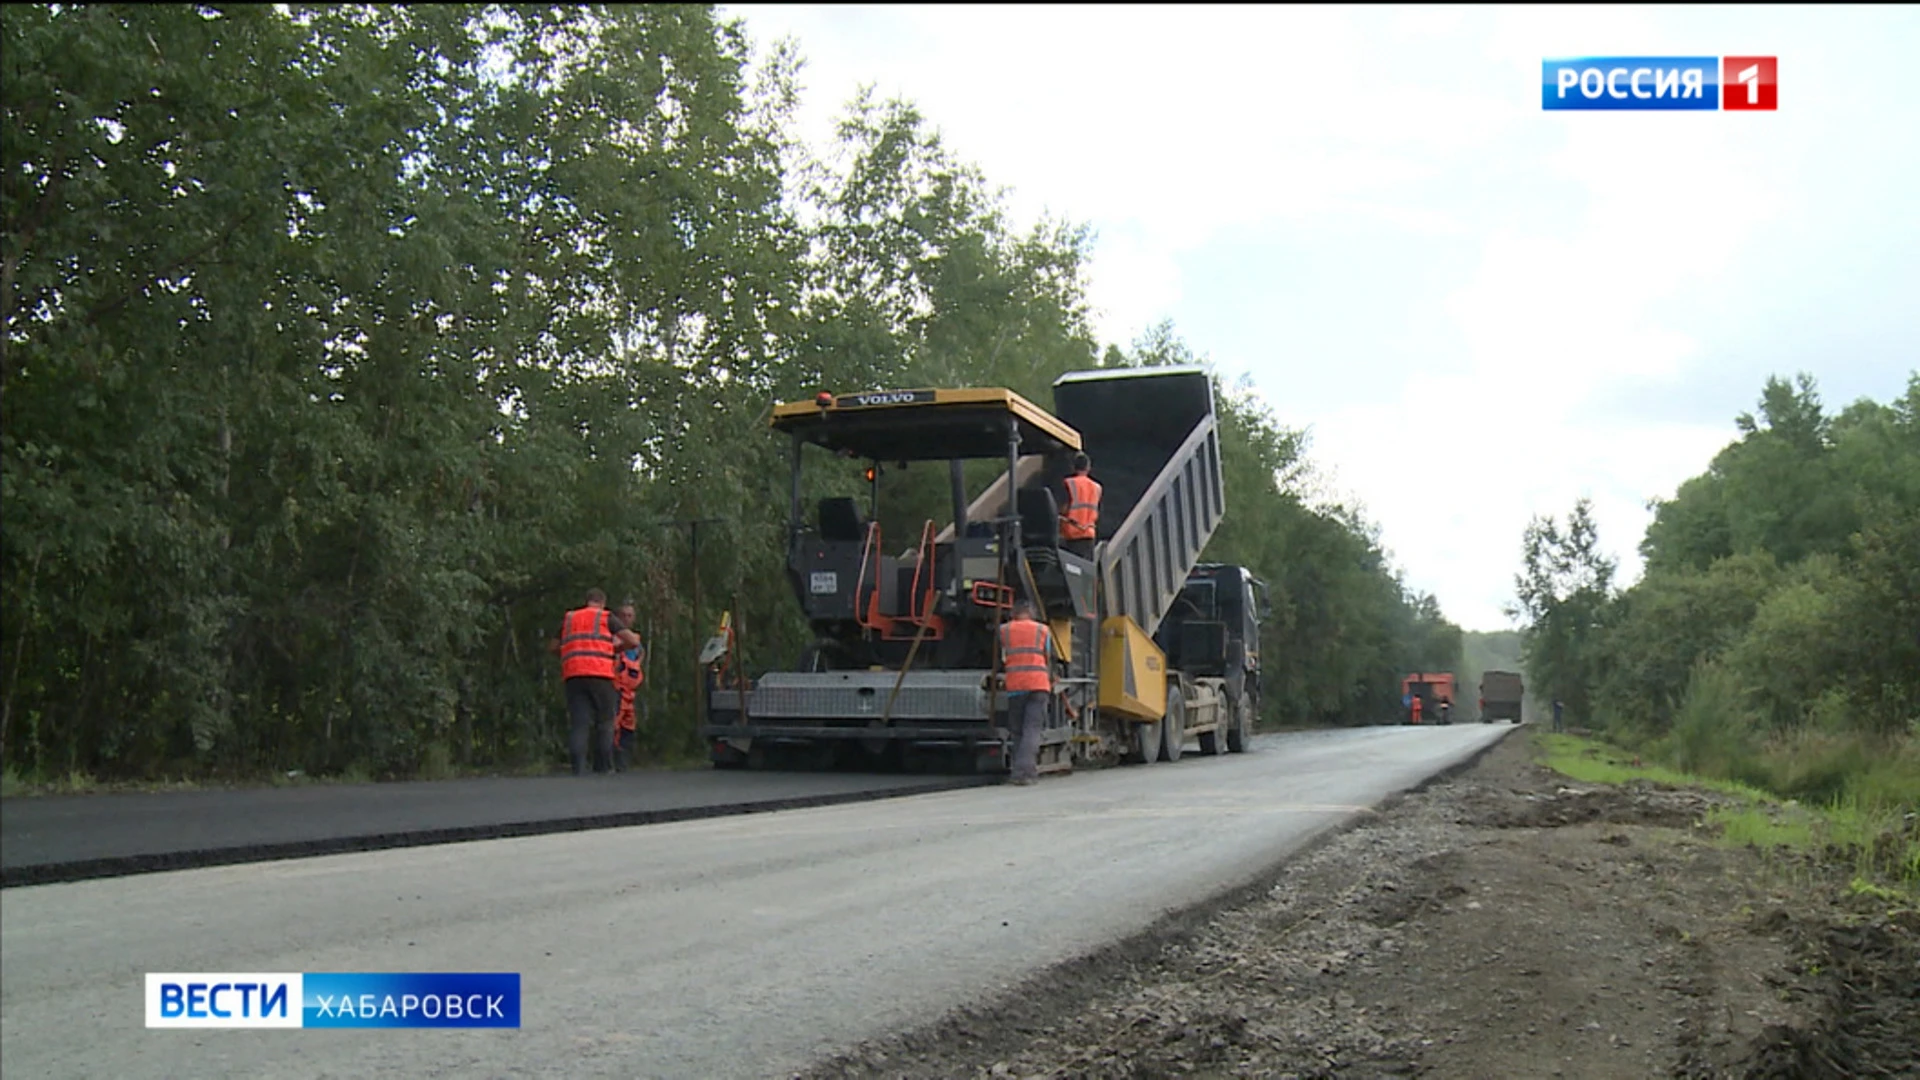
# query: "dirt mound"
(1868, 1019)
(1428, 887)
(1637, 803)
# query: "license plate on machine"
(822, 582)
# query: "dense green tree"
(1772, 638)
(1564, 589)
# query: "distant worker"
(1081, 523)
(1026, 647)
(1446, 711)
(1559, 718)
(1416, 708)
(628, 674)
(588, 636)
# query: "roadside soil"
(1501, 922)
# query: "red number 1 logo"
(1749, 83)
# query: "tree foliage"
(344, 347)
(1564, 588)
(1780, 600)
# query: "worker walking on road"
(588, 637)
(628, 674)
(1026, 646)
(1080, 525)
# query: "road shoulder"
(1501, 922)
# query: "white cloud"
(1133, 287)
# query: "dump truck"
(1432, 689)
(905, 664)
(1212, 636)
(1501, 693)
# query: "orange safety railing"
(866, 598)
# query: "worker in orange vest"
(1026, 650)
(588, 636)
(1081, 522)
(627, 677)
(1416, 708)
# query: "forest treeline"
(1774, 638)
(346, 347)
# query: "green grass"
(1862, 825)
(1593, 762)
(1764, 826)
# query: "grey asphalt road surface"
(73, 837)
(727, 947)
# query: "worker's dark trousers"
(591, 706)
(1082, 548)
(1028, 713)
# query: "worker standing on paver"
(1081, 523)
(588, 637)
(628, 674)
(1026, 646)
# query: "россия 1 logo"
(1707, 83)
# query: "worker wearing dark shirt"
(1080, 523)
(627, 677)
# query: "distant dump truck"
(1500, 695)
(1432, 689)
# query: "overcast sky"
(1480, 310)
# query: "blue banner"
(410, 1000)
(1631, 83)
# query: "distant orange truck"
(1432, 688)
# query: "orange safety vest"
(1416, 710)
(627, 677)
(1023, 645)
(626, 672)
(1082, 518)
(586, 644)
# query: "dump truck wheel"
(1173, 729)
(1145, 746)
(1214, 743)
(1240, 732)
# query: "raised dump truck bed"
(1155, 448)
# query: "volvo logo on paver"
(887, 397)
